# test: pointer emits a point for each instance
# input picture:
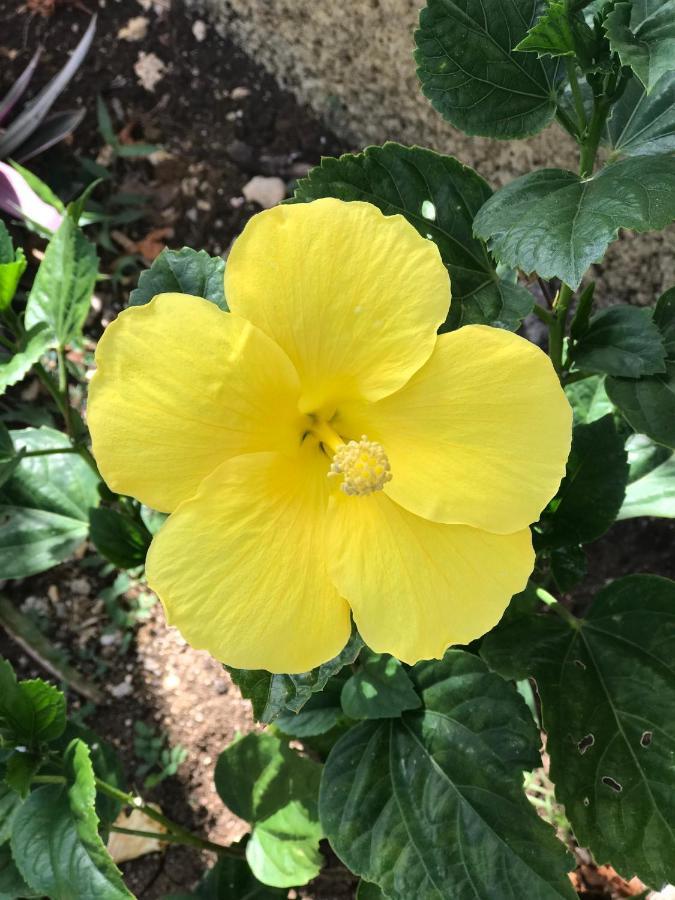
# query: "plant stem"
(181, 835)
(576, 93)
(50, 451)
(169, 838)
(558, 608)
(577, 376)
(589, 147)
(567, 123)
(63, 388)
(557, 328)
(543, 314)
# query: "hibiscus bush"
(368, 496)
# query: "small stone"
(171, 681)
(239, 93)
(149, 70)
(199, 30)
(123, 689)
(265, 191)
(236, 202)
(135, 29)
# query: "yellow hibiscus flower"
(322, 450)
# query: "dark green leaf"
(622, 340)
(271, 786)
(556, 224)
(607, 690)
(21, 768)
(15, 366)
(651, 486)
(12, 885)
(183, 271)
(64, 283)
(319, 715)
(10, 803)
(643, 34)
(270, 694)
(31, 712)
(9, 458)
(431, 806)
(122, 540)
(44, 507)
(551, 34)
(380, 689)
(469, 70)
(369, 891)
(648, 404)
(568, 566)
(439, 196)
(588, 399)
(592, 490)
(664, 319)
(55, 841)
(642, 124)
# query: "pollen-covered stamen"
(363, 465)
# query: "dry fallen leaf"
(123, 847)
(135, 29)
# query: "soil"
(219, 121)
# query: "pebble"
(239, 93)
(199, 30)
(123, 689)
(265, 191)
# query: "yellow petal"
(479, 436)
(182, 386)
(240, 567)
(414, 586)
(354, 297)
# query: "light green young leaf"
(469, 70)
(642, 32)
(40, 187)
(621, 340)
(12, 266)
(284, 849)
(607, 690)
(64, 283)
(15, 366)
(588, 399)
(381, 689)
(556, 224)
(431, 805)
(183, 271)
(44, 505)
(440, 197)
(651, 486)
(55, 841)
(642, 124)
(551, 34)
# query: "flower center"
(363, 464)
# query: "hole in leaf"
(612, 783)
(587, 802)
(578, 662)
(586, 743)
(646, 739)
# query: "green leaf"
(44, 507)
(664, 319)
(122, 540)
(431, 805)
(271, 694)
(552, 34)
(319, 715)
(366, 890)
(284, 849)
(556, 224)
(55, 841)
(12, 266)
(40, 187)
(232, 879)
(593, 488)
(643, 34)
(9, 458)
(31, 712)
(439, 197)
(183, 271)
(642, 124)
(10, 803)
(588, 399)
(568, 566)
(651, 486)
(469, 71)
(380, 689)
(21, 768)
(272, 787)
(15, 366)
(622, 340)
(608, 690)
(648, 404)
(12, 885)
(64, 283)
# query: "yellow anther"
(363, 465)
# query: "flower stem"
(558, 608)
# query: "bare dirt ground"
(219, 122)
